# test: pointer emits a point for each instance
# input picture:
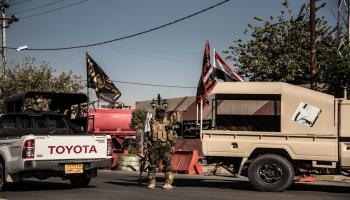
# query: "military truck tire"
(79, 180)
(271, 173)
(2, 176)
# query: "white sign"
(306, 114)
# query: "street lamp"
(153, 103)
(165, 104)
(159, 102)
(22, 48)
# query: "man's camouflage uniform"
(160, 142)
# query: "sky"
(168, 56)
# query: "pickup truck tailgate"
(70, 147)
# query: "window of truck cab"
(39, 122)
(8, 122)
(50, 122)
(247, 112)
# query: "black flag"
(98, 80)
(207, 80)
(223, 71)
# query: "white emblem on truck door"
(306, 114)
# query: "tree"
(138, 120)
(280, 50)
(26, 75)
(337, 77)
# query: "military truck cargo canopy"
(57, 100)
(297, 109)
(261, 88)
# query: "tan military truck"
(273, 132)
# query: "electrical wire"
(332, 11)
(20, 2)
(153, 85)
(160, 51)
(36, 8)
(125, 37)
(53, 10)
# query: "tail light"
(28, 149)
(109, 147)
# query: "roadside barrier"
(116, 158)
(115, 162)
(186, 162)
(129, 162)
(182, 162)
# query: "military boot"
(169, 178)
(151, 180)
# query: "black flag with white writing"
(98, 80)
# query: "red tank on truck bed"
(114, 122)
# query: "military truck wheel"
(271, 173)
(2, 176)
(80, 180)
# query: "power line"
(332, 11)
(53, 10)
(20, 2)
(125, 37)
(157, 85)
(162, 51)
(36, 8)
(153, 85)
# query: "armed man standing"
(159, 140)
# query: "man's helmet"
(160, 112)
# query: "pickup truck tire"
(271, 173)
(79, 180)
(2, 176)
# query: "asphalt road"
(123, 185)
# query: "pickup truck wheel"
(80, 180)
(271, 173)
(2, 176)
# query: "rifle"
(143, 164)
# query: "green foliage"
(26, 75)
(280, 50)
(138, 120)
(132, 150)
(337, 76)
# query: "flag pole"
(87, 93)
(214, 63)
(212, 102)
(197, 118)
(201, 119)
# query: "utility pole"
(3, 42)
(5, 21)
(313, 44)
(343, 24)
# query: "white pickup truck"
(44, 145)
